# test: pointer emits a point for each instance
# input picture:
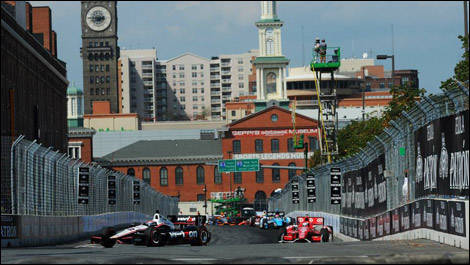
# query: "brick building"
(267, 135)
(80, 144)
(173, 167)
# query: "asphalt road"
(243, 245)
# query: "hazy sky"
(425, 33)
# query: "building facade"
(34, 85)
(99, 53)
(267, 135)
(229, 78)
(139, 83)
(80, 144)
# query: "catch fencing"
(372, 181)
(43, 182)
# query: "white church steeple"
(270, 64)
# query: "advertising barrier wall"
(447, 217)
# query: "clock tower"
(270, 64)
(100, 53)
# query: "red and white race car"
(307, 229)
(159, 231)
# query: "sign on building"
(83, 185)
(335, 185)
(311, 189)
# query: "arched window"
(131, 172)
(292, 172)
(146, 175)
(276, 177)
(259, 204)
(217, 176)
(179, 176)
(269, 41)
(271, 83)
(260, 175)
(200, 175)
(163, 176)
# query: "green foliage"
(315, 159)
(404, 97)
(356, 135)
(461, 69)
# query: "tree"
(461, 68)
(315, 159)
(355, 135)
(403, 99)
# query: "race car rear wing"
(272, 214)
(311, 220)
(196, 220)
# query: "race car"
(307, 229)
(274, 220)
(181, 229)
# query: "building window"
(182, 99)
(179, 176)
(276, 177)
(258, 146)
(240, 85)
(194, 90)
(271, 83)
(131, 172)
(274, 145)
(313, 142)
(194, 74)
(92, 80)
(193, 67)
(292, 172)
(290, 145)
(240, 61)
(108, 91)
(390, 84)
(163, 176)
(237, 178)
(174, 67)
(200, 175)
(201, 197)
(382, 85)
(107, 68)
(194, 98)
(91, 68)
(146, 175)
(217, 176)
(181, 67)
(233, 113)
(260, 175)
(181, 75)
(259, 203)
(240, 69)
(274, 118)
(236, 146)
(240, 77)
(107, 79)
(202, 67)
(182, 90)
(74, 152)
(102, 68)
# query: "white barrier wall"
(47, 230)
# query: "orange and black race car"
(181, 229)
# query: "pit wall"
(33, 231)
(351, 233)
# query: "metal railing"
(43, 182)
(400, 134)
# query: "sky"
(424, 33)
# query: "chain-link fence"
(396, 144)
(42, 182)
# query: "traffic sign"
(238, 165)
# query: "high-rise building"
(138, 86)
(270, 64)
(229, 79)
(100, 53)
(186, 87)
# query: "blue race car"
(274, 220)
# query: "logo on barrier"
(112, 190)
(335, 185)
(295, 192)
(83, 185)
(136, 193)
(311, 192)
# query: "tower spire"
(268, 10)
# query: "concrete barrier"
(27, 231)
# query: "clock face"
(98, 18)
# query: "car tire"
(106, 241)
(203, 237)
(155, 237)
